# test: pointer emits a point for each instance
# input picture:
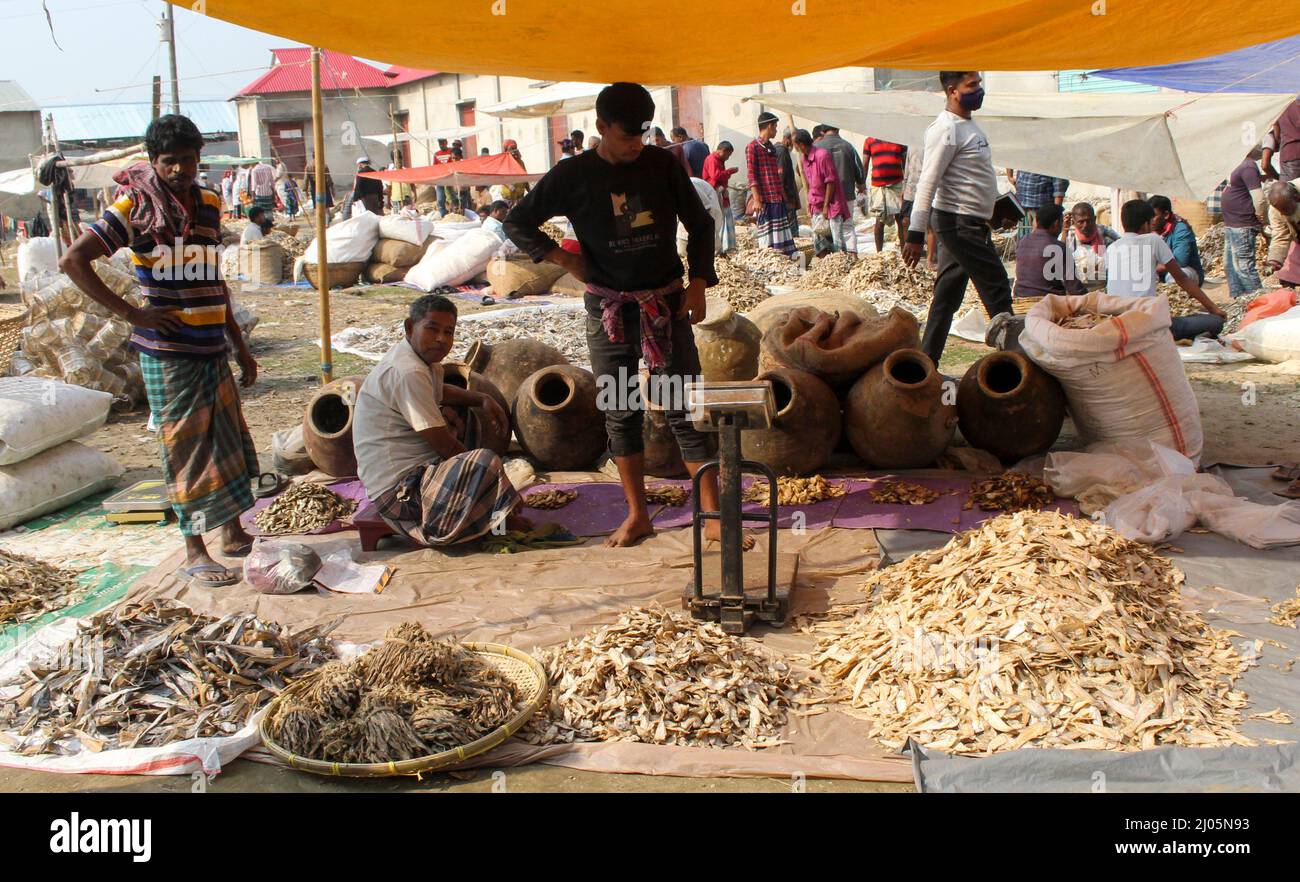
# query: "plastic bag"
(1164, 509)
(1252, 523)
(1273, 339)
(274, 567)
(1111, 469)
(289, 453)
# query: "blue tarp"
(1268, 68)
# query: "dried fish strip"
(1010, 491)
(664, 678)
(410, 696)
(549, 500)
(903, 493)
(794, 491)
(147, 674)
(1276, 715)
(1082, 320)
(304, 507)
(1285, 613)
(1034, 630)
(29, 588)
(667, 494)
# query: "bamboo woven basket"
(341, 275)
(1022, 305)
(522, 669)
(13, 319)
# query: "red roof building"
(400, 75)
(291, 72)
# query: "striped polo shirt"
(187, 278)
(886, 160)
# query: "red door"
(466, 112)
(688, 110)
(558, 126)
(289, 144)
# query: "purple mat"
(349, 488)
(944, 515)
(598, 510)
(813, 517)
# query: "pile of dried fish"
(549, 500)
(771, 266)
(563, 329)
(555, 231)
(667, 494)
(304, 507)
(737, 285)
(794, 491)
(292, 245)
(147, 674)
(886, 271)
(1284, 614)
(1034, 630)
(664, 678)
(1210, 246)
(409, 697)
(1009, 491)
(830, 271)
(30, 588)
(903, 493)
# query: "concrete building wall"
(20, 136)
(346, 120)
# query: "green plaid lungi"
(208, 457)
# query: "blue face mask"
(972, 100)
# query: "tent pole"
(322, 254)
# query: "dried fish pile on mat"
(667, 494)
(794, 491)
(1009, 491)
(1284, 614)
(1180, 304)
(409, 697)
(740, 287)
(830, 271)
(549, 500)
(907, 286)
(148, 674)
(566, 330)
(304, 507)
(771, 266)
(30, 588)
(1034, 630)
(903, 493)
(664, 678)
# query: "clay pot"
(459, 375)
(663, 458)
(327, 427)
(896, 418)
(556, 418)
(1010, 406)
(506, 365)
(838, 346)
(806, 428)
(728, 343)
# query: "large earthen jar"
(806, 428)
(507, 364)
(1010, 406)
(663, 458)
(728, 343)
(460, 376)
(896, 417)
(327, 427)
(838, 346)
(557, 420)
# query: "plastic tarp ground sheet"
(1268, 67)
(557, 99)
(1178, 145)
(573, 40)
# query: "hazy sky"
(111, 52)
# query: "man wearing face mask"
(955, 194)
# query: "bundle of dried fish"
(555, 231)
(304, 507)
(1284, 614)
(737, 285)
(1034, 630)
(794, 491)
(1082, 320)
(664, 678)
(829, 271)
(886, 270)
(30, 588)
(409, 697)
(903, 493)
(147, 674)
(549, 500)
(771, 266)
(667, 494)
(1009, 491)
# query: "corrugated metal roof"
(291, 72)
(14, 97)
(400, 75)
(102, 122)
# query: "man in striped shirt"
(172, 227)
(261, 180)
(767, 189)
(885, 159)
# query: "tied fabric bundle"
(154, 207)
(656, 319)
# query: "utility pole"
(157, 96)
(169, 37)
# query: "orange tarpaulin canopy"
(679, 42)
(480, 171)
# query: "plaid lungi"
(266, 202)
(208, 457)
(776, 228)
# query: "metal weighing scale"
(719, 590)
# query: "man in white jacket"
(955, 195)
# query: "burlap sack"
(262, 262)
(395, 252)
(520, 277)
(839, 347)
(383, 273)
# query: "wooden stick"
(322, 253)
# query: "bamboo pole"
(322, 254)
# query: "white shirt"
(261, 180)
(956, 171)
(1131, 264)
(401, 396)
(251, 233)
(492, 225)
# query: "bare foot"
(633, 529)
(235, 539)
(519, 523)
(713, 530)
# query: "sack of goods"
(454, 263)
(414, 230)
(1275, 338)
(37, 255)
(520, 277)
(262, 262)
(384, 273)
(398, 252)
(1119, 366)
(349, 241)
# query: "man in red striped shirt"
(884, 159)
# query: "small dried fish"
(1082, 321)
(829, 271)
(549, 500)
(903, 493)
(1009, 491)
(29, 588)
(741, 287)
(664, 678)
(667, 494)
(304, 507)
(794, 491)
(1276, 715)
(1285, 613)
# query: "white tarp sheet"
(553, 100)
(1174, 144)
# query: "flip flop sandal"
(1287, 471)
(268, 484)
(1292, 490)
(190, 575)
(240, 551)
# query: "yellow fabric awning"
(725, 42)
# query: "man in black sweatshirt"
(624, 200)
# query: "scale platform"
(755, 588)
